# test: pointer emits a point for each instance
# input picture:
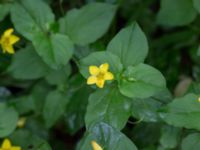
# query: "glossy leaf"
(107, 137)
(109, 106)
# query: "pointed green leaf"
(130, 45)
(89, 23)
(30, 17)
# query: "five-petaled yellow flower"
(96, 146)
(6, 145)
(8, 40)
(99, 75)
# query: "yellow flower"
(21, 122)
(96, 146)
(6, 145)
(199, 99)
(99, 75)
(7, 40)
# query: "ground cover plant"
(99, 75)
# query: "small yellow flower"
(21, 122)
(199, 99)
(6, 145)
(96, 146)
(8, 40)
(99, 75)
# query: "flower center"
(100, 76)
(6, 41)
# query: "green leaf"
(89, 23)
(191, 142)
(183, 112)
(58, 77)
(176, 13)
(25, 140)
(98, 58)
(141, 81)
(170, 136)
(130, 45)
(56, 49)
(54, 107)
(4, 10)
(8, 120)
(109, 106)
(76, 108)
(197, 5)
(34, 24)
(146, 109)
(30, 17)
(26, 64)
(107, 137)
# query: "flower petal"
(100, 83)
(6, 144)
(94, 70)
(15, 148)
(13, 39)
(91, 80)
(9, 49)
(104, 67)
(108, 76)
(8, 32)
(96, 146)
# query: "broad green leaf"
(183, 112)
(191, 142)
(8, 120)
(176, 12)
(170, 136)
(197, 5)
(89, 23)
(98, 58)
(4, 10)
(26, 64)
(27, 140)
(107, 137)
(141, 81)
(130, 45)
(30, 17)
(34, 24)
(56, 49)
(58, 77)
(54, 107)
(109, 106)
